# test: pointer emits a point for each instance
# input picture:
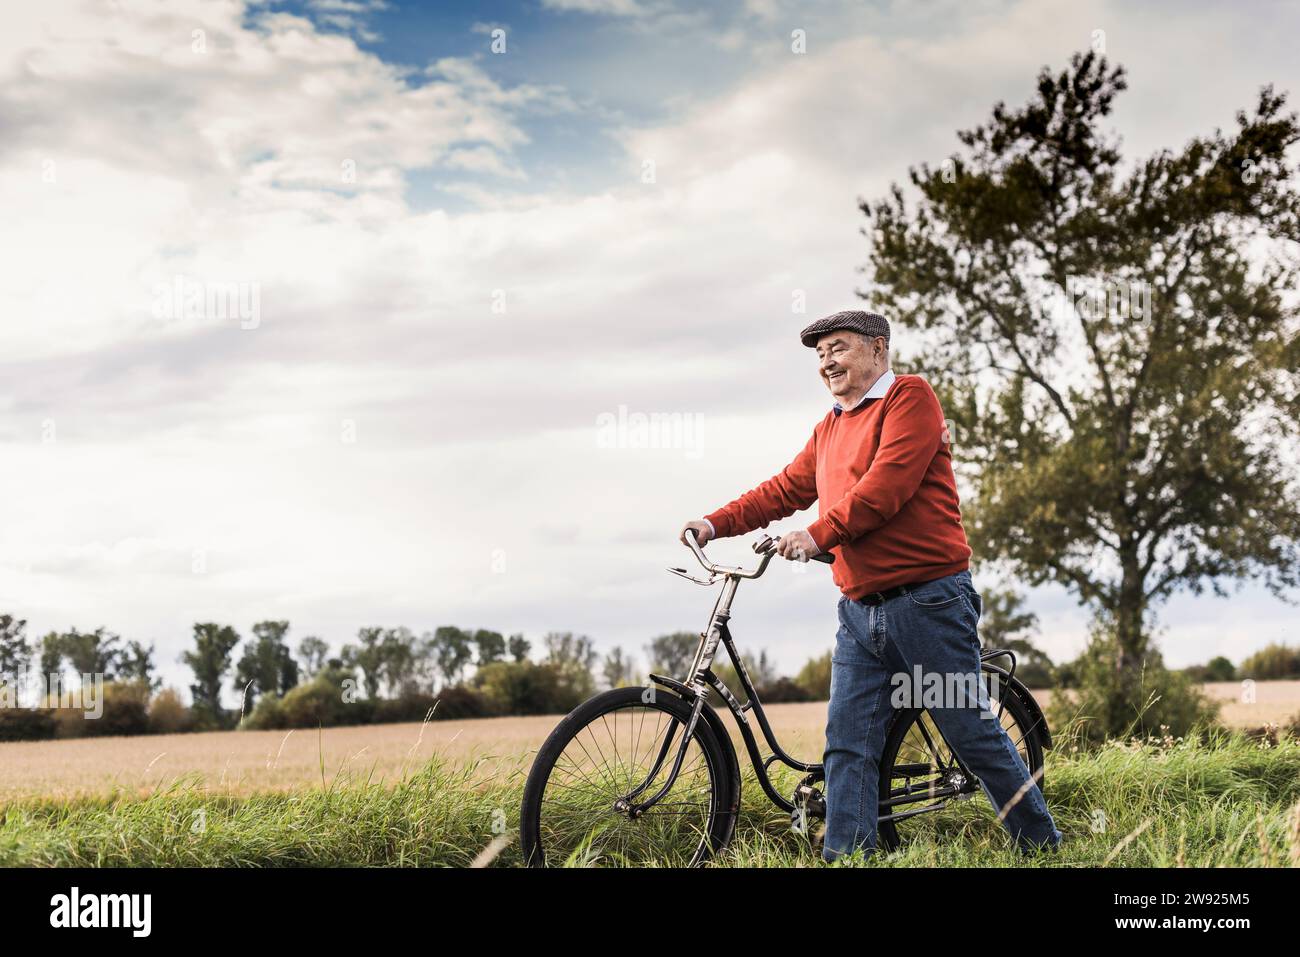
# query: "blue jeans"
(931, 628)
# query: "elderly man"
(880, 469)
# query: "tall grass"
(1225, 801)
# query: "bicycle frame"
(701, 678)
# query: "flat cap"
(868, 323)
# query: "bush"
(1219, 669)
(408, 706)
(1141, 701)
(124, 710)
(453, 702)
(459, 701)
(204, 718)
(168, 714)
(27, 724)
(783, 690)
(1272, 662)
(524, 687)
(324, 701)
(268, 715)
(815, 678)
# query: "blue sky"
(458, 269)
(618, 69)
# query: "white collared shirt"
(877, 391)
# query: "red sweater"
(882, 477)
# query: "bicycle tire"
(724, 782)
(888, 836)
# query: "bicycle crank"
(809, 804)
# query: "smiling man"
(880, 468)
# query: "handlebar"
(766, 548)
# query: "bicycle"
(621, 810)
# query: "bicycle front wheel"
(611, 752)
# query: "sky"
(347, 312)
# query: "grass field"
(1234, 804)
(441, 793)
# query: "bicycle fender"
(1031, 707)
(711, 718)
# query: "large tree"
(313, 652)
(267, 665)
(135, 663)
(572, 657)
(618, 669)
(1114, 342)
(518, 646)
(368, 656)
(401, 655)
(491, 646)
(92, 652)
(451, 649)
(15, 652)
(210, 660)
(672, 654)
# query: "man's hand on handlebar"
(702, 532)
(797, 546)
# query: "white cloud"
(475, 430)
(617, 8)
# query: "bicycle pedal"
(809, 805)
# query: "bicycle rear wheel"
(620, 746)
(923, 776)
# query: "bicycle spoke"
(606, 760)
(922, 768)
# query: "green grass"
(1230, 802)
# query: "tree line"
(385, 674)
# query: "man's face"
(849, 362)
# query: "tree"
(618, 669)
(1271, 662)
(210, 660)
(1005, 624)
(1220, 669)
(15, 652)
(312, 652)
(573, 657)
(1004, 618)
(398, 660)
(135, 663)
(369, 657)
(815, 677)
(672, 654)
(763, 672)
(519, 647)
(451, 649)
(51, 651)
(524, 687)
(266, 667)
(91, 652)
(491, 646)
(1113, 346)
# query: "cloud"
(409, 433)
(615, 8)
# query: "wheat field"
(239, 763)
